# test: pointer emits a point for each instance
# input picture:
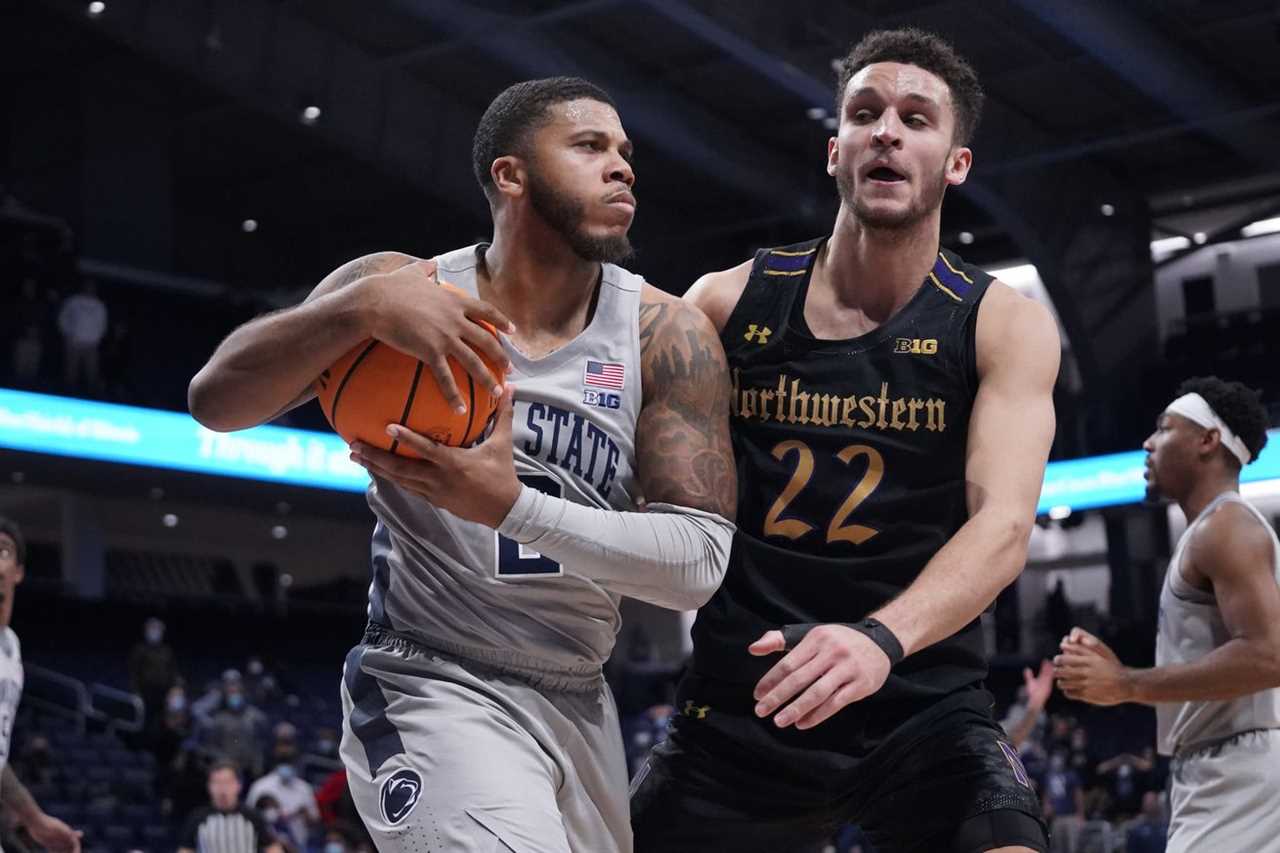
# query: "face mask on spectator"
(286, 772)
(235, 701)
(176, 703)
(325, 746)
(154, 634)
(335, 847)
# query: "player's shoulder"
(663, 315)
(1231, 529)
(355, 269)
(1010, 324)
(716, 294)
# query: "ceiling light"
(249, 226)
(169, 520)
(1262, 226)
(966, 237)
(1200, 238)
(279, 531)
(96, 8)
(816, 113)
(310, 114)
(1169, 244)
(1108, 209)
(831, 122)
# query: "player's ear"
(958, 163)
(19, 572)
(833, 155)
(509, 175)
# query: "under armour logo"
(698, 712)
(400, 794)
(757, 334)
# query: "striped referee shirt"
(241, 830)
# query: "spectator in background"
(345, 838)
(268, 807)
(1058, 611)
(83, 323)
(296, 798)
(1063, 803)
(1128, 779)
(28, 353)
(1026, 716)
(153, 670)
(215, 698)
(225, 826)
(284, 745)
(26, 327)
(237, 730)
(117, 369)
(1149, 831)
(181, 776)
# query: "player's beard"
(920, 207)
(565, 215)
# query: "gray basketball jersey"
(1191, 626)
(458, 586)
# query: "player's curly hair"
(505, 126)
(1239, 406)
(911, 46)
(10, 528)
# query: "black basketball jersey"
(851, 462)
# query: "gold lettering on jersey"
(916, 346)
(792, 402)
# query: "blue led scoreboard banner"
(83, 429)
(39, 423)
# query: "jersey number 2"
(515, 560)
(837, 530)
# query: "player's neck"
(6, 611)
(878, 270)
(1204, 491)
(538, 281)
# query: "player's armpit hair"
(671, 556)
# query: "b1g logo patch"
(916, 346)
(1015, 763)
(400, 794)
(601, 399)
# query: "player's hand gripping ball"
(375, 385)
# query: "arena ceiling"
(1175, 102)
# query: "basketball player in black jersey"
(892, 415)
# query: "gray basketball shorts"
(1227, 796)
(450, 756)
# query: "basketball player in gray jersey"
(477, 718)
(1216, 682)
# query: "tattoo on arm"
(15, 795)
(682, 439)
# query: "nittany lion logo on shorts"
(400, 794)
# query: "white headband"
(1195, 408)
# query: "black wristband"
(871, 628)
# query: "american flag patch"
(604, 374)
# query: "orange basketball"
(375, 385)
